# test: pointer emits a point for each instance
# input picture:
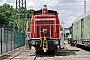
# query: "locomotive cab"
(45, 30)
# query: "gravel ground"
(76, 54)
(70, 53)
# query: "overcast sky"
(68, 9)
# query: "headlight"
(33, 42)
(56, 42)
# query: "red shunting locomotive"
(45, 30)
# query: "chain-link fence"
(10, 39)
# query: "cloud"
(68, 1)
(69, 21)
(39, 4)
(11, 1)
(0, 0)
(12, 4)
(87, 5)
(64, 13)
(30, 3)
(53, 3)
(4, 1)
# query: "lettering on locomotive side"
(38, 19)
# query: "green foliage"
(61, 28)
(7, 16)
(23, 19)
(3, 19)
(22, 24)
(29, 13)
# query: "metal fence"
(10, 39)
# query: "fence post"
(14, 38)
(6, 40)
(11, 40)
(17, 39)
(1, 40)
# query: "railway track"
(15, 56)
(70, 53)
(23, 55)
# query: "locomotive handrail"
(45, 25)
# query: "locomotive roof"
(40, 11)
(82, 16)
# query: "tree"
(3, 19)
(8, 13)
(7, 16)
(29, 13)
(61, 28)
